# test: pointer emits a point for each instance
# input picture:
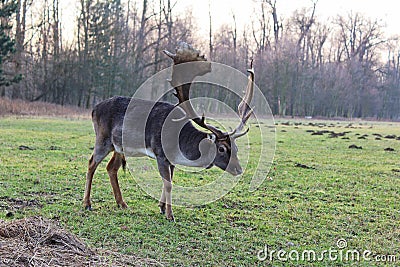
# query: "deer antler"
(186, 53)
(244, 109)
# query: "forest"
(344, 67)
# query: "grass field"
(318, 191)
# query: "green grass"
(346, 193)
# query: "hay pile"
(37, 241)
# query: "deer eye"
(221, 149)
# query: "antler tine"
(244, 109)
(169, 54)
(201, 122)
(237, 135)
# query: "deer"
(217, 145)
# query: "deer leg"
(168, 200)
(162, 198)
(101, 150)
(161, 204)
(164, 167)
(112, 168)
(89, 178)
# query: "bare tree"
(306, 66)
(233, 32)
(276, 23)
(210, 43)
(359, 36)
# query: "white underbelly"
(136, 152)
(174, 158)
(181, 160)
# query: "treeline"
(304, 66)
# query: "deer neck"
(193, 148)
(189, 141)
(193, 151)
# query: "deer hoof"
(123, 205)
(171, 218)
(88, 207)
(162, 208)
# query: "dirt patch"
(355, 147)
(37, 241)
(16, 204)
(11, 205)
(390, 149)
(363, 136)
(22, 147)
(390, 136)
(320, 132)
(299, 165)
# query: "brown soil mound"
(37, 241)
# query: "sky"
(385, 10)
(222, 10)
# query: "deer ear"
(171, 55)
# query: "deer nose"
(238, 170)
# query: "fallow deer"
(108, 119)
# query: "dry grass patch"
(19, 107)
(36, 241)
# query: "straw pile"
(37, 241)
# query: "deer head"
(226, 156)
(227, 150)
